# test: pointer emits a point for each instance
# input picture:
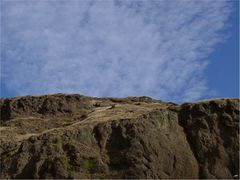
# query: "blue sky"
(170, 50)
(223, 71)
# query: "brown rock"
(212, 128)
(72, 136)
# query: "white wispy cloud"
(110, 48)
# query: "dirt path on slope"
(26, 136)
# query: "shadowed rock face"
(212, 129)
(73, 136)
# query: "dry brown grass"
(24, 127)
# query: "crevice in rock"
(183, 116)
(5, 110)
(117, 147)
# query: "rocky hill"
(74, 136)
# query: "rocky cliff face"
(73, 136)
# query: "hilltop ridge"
(75, 136)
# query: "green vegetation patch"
(63, 160)
(92, 166)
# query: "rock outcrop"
(74, 136)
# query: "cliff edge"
(74, 136)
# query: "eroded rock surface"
(73, 136)
(212, 129)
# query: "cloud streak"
(110, 48)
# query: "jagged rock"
(72, 136)
(212, 128)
